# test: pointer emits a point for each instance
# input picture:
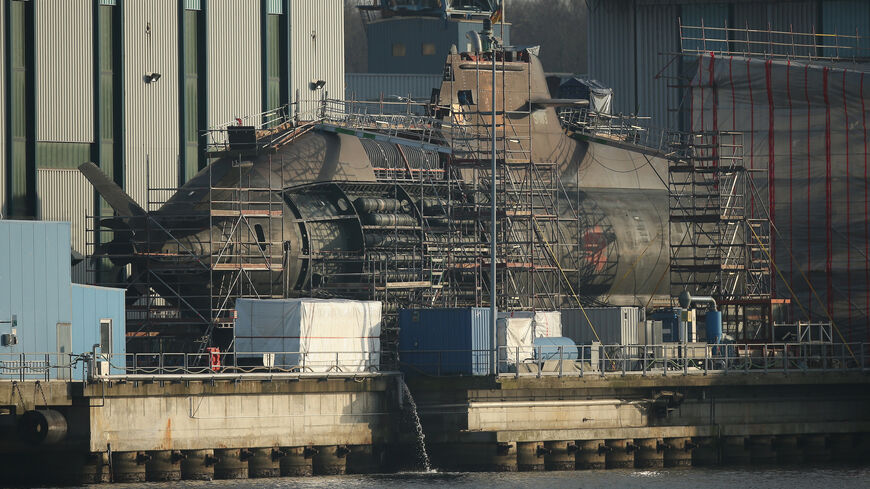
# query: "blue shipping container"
(445, 341)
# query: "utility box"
(608, 325)
(451, 341)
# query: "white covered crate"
(517, 331)
(310, 335)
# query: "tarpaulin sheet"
(807, 125)
(311, 334)
(517, 335)
(547, 324)
(517, 331)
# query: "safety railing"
(661, 359)
(527, 361)
(630, 130)
(43, 366)
(211, 363)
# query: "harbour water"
(840, 477)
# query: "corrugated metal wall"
(34, 282)
(65, 195)
(316, 42)
(151, 109)
(612, 49)
(64, 71)
(370, 86)
(234, 60)
(848, 17)
(625, 38)
(655, 47)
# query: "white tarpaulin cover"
(517, 331)
(311, 334)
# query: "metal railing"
(662, 359)
(631, 131)
(527, 361)
(44, 366)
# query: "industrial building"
(134, 86)
(781, 83)
(633, 44)
(45, 320)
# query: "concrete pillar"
(787, 450)
(814, 449)
(263, 463)
(330, 460)
(735, 451)
(843, 448)
(560, 455)
(706, 452)
(480, 457)
(164, 465)
(678, 452)
(296, 462)
(590, 455)
(198, 465)
(619, 455)
(362, 459)
(761, 450)
(77, 468)
(650, 453)
(530, 456)
(232, 463)
(129, 466)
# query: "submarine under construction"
(348, 202)
(238, 317)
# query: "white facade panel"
(235, 75)
(64, 71)
(65, 195)
(316, 51)
(151, 144)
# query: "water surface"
(677, 478)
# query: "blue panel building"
(42, 314)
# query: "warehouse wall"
(630, 42)
(65, 195)
(151, 109)
(234, 60)
(64, 89)
(316, 42)
(60, 90)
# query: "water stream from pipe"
(421, 437)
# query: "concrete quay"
(137, 430)
(646, 422)
(169, 428)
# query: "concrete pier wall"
(201, 415)
(655, 407)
